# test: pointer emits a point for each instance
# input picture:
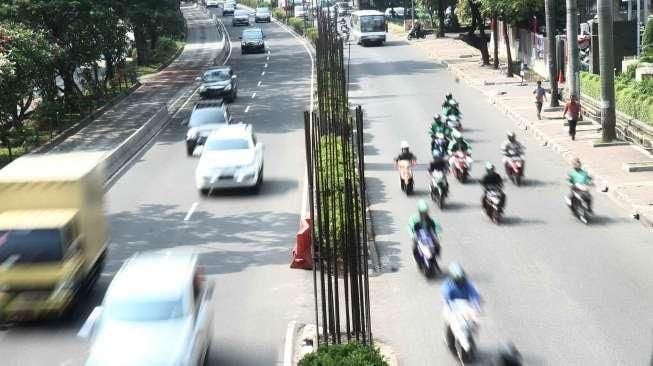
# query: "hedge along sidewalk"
(631, 191)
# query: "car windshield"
(205, 116)
(252, 35)
(240, 13)
(372, 23)
(226, 144)
(262, 10)
(216, 75)
(30, 246)
(143, 310)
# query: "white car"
(158, 310)
(231, 158)
(212, 3)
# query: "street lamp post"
(572, 47)
(606, 69)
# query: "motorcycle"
(416, 33)
(462, 324)
(460, 166)
(426, 253)
(439, 187)
(406, 175)
(514, 166)
(492, 204)
(581, 203)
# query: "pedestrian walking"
(573, 114)
(540, 97)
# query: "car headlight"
(228, 87)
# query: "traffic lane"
(255, 305)
(55, 342)
(533, 248)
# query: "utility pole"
(549, 9)
(572, 48)
(637, 29)
(606, 67)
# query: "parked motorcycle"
(406, 175)
(492, 204)
(462, 326)
(426, 253)
(439, 187)
(581, 203)
(460, 166)
(514, 167)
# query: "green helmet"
(422, 206)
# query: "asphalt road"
(244, 240)
(564, 293)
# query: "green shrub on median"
(311, 34)
(279, 14)
(297, 24)
(351, 354)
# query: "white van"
(368, 26)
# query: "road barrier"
(301, 254)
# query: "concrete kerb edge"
(63, 135)
(289, 343)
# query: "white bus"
(368, 26)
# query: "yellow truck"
(53, 233)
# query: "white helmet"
(404, 144)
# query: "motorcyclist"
(450, 107)
(458, 287)
(459, 144)
(577, 176)
(439, 145)
(511, 145)
(492, 181)
(438, 126)
(448, 98)
(423, 221)
(405, 154)
(416, 30)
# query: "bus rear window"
(30, 246)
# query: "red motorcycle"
(460, 164)
(514, 165)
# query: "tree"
(606, 67)
(478, 21)
(572, 48)
(549, 7)
(26, 64)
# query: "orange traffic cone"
(301, 254)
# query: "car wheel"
(190, 148)
(204, 192)
(234, 94)
(259, 182)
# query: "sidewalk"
(160, 96)
(632, 191)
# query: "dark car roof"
(207, 112)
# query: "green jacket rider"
(459, 144)
(422, 221)
(438, 126)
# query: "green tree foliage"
(26, 65)
(647, 39)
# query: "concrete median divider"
(302, 256)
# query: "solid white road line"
(247, 109)
(190, 212)
(254, 95)
(263, 73)
(185, 103)
(265, 66)
(259, 83)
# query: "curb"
(63, 135)
(289, 343)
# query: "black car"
(262, 15)
(206, 117)
(219, 82)
(252, 41)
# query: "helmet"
(422, 206)
(449, 95)
(576, 163)
(404, 144)
(457, 273)
(489, 166)
(437, 117)
(511, 135)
